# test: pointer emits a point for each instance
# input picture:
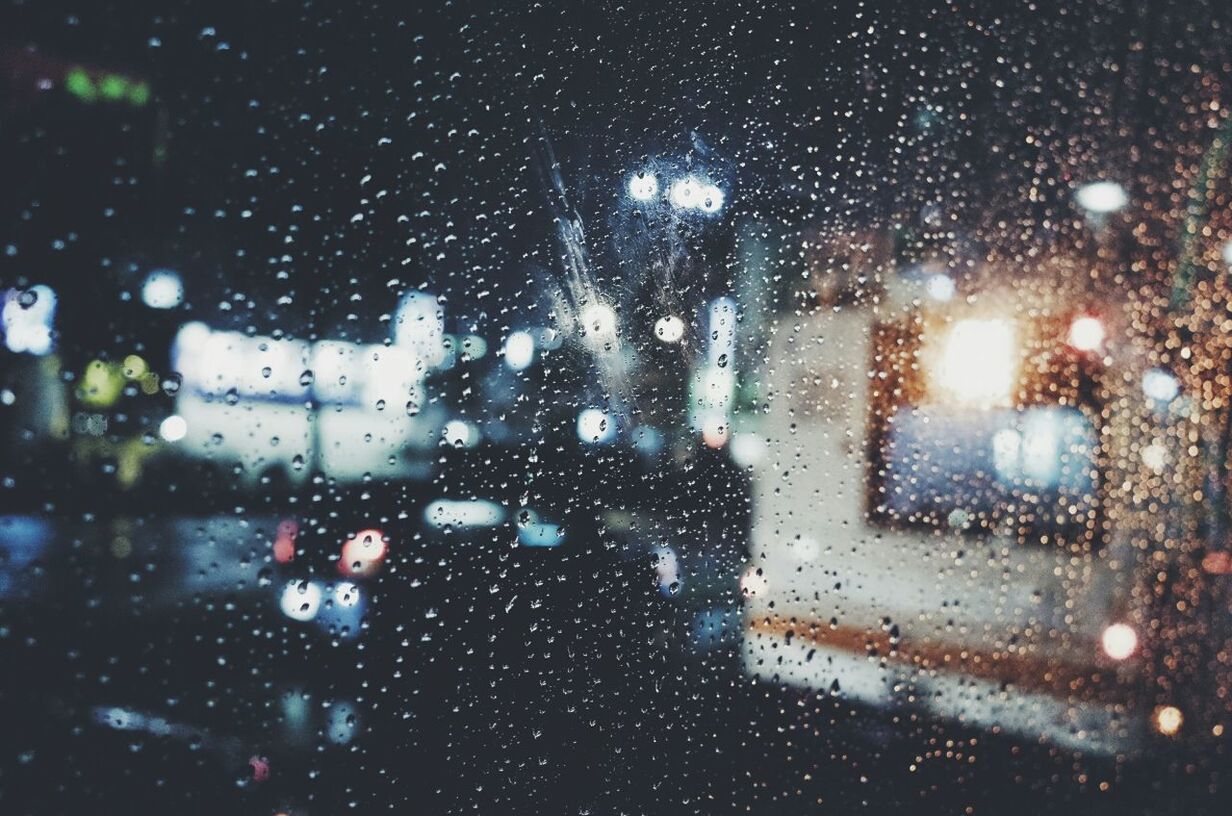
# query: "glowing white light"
(162, 289)
(686, 193)
(459, 513)
(27, 319)
(711, 199)
(459, 433)
(346, 595)
(1086, 333)
(979, 362)
(1155, 456)
(595, 427)
(519, 350)
(669, 329)
(419, 325)
(598, 324)
(747, 449)
(1159, 385)
(1102, 197)
(173, 428)
(215, 362)
(643, 186)
(1227, 253)
(1007, 452)
(301, 600)
(940, 287)
(1119, 641)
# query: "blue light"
(540, 534)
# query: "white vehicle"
(931, 518)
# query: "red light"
(363, 554)
(1217, 562)
(260, 768)
(284, 543)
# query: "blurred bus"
(944, 518)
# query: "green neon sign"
(110, 87)
(78, 83)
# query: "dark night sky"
(349, 149)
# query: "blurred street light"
(979, 361)
(1102, 197)
(162, 289)
(669, 329)
(1119, 641)
(643, 186)
(1086, 333)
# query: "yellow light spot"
(134, 367)
(1168, 720)
(101, 384)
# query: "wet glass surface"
(615, 407)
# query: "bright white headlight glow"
(27, 319)
(1102, 197)
(595, 427)
(1119, 641)
(669, 329)
(711, 199)
(301, 600)
(346, 594)
(685, 193)
(459, 433)
(173, 428)
(519, 350)
(643, 186)
(598, 323)
(979, 362)
(162, 289)
(1086, 333)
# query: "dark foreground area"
(136, 687)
